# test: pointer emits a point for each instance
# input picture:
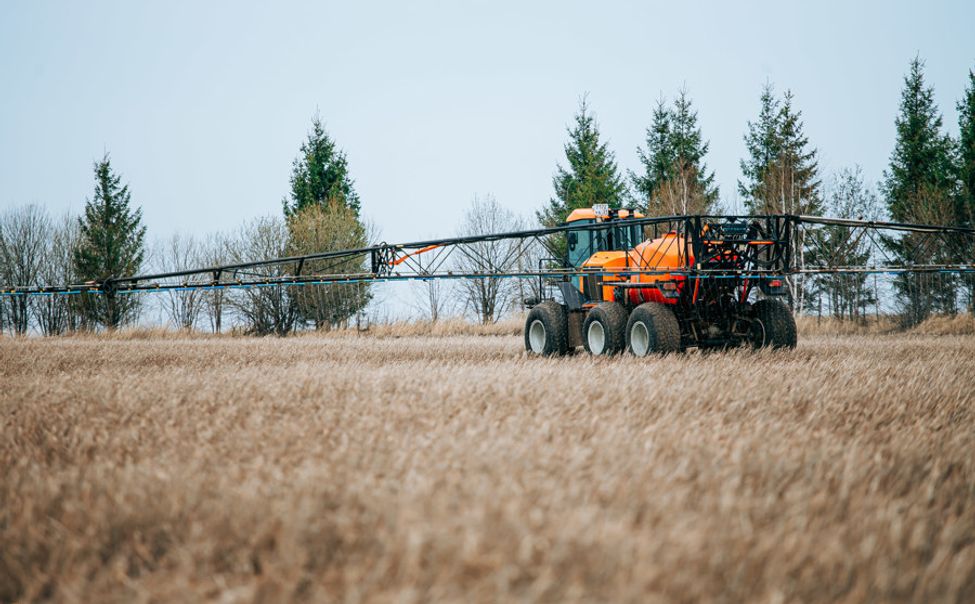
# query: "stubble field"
(454, 468)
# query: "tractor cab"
(617, 236)
(601, 247)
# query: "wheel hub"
(537, 336)
(596, 337)
(640, 339)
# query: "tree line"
(109, 240)
(930, 178)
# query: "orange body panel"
(606, 261)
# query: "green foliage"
(111, 244)
(920, 186)
(966, 152)
(320, 174)
(592, 176)
(966, 173)
(920, 165)
(763, 143)
(675, 179)
(658, 158)
(323, 215)
(781, 172)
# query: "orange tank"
(667, 252)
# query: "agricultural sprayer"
(614, 280)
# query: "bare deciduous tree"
(214, 250)
(322, 228)
(182, 252)
(23, 233)
(434, 299)
(56, 315)
(264, 310)
(488, 298)
(532, 256)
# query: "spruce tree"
(763, 141)
(920, 165)
(675, 179)
(919, 186)
(591, 177)
(657, 158)
(781, 173)
(323, 215)
(320, 174)
(966, 153)
(111, 244)
(966, 174)
(794, 178)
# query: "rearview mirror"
(573, 240)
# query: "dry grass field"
(445, 467)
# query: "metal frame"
(766, 246)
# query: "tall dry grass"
(938, 325)
(456, 469)
(961, 324)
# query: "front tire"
(652, 329)
(546, 330)
(773, 325)
(604, 331)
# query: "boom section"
(754, 247)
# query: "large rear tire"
(652, 329)
(604, 331)
(546, 330)
(773, 325)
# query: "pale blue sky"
(203, 105)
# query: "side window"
(579, 245)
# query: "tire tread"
(661, 324)
(613, 316)
(780, 325)
(553, 317)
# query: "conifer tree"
(675, 179)
(919, 186)
(782, 171)
(920, 165)
(966, 174)
(966, 153)
(111, 244)
(657, 158)
(320, 174)
(591, 177)
(323, 215)
(763, 141)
